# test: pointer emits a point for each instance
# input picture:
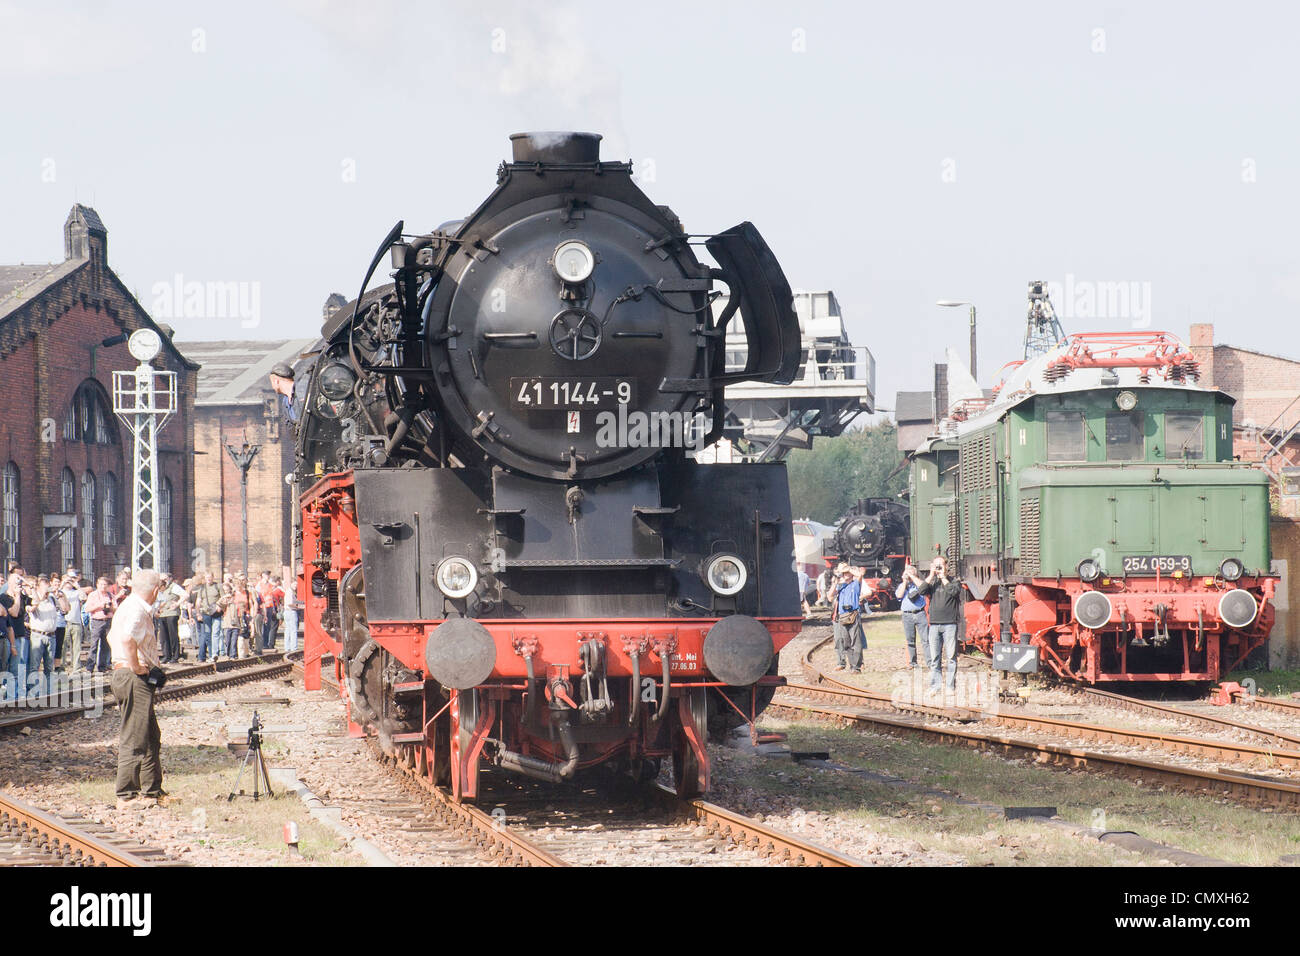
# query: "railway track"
(534, 824)
(526, 823)
(1215, 723)
(198, 678)
(33, 837)
(829, 698)
(1279, 705)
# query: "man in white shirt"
(133, 644)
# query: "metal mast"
(144, 399)
(1042, 329)
(243, 459)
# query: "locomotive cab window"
(1184, 435)
(1124, 436)
(1066, 439)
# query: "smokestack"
(556, 147)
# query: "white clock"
(143, 344)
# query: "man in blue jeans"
(850, 641)
(945, 593)
(912, 603)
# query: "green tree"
(836, 472)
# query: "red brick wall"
(44, 356)
(1263, 385)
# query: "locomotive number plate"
(600, 392)
(1151, 563)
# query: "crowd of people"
(51, 623)
(931, 608)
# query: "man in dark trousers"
(134, 645)
(945, 593)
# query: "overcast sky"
(895, 153)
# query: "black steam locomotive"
(507, 545)
(873, 535)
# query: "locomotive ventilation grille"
(977, 484)
(1029, 536)
(954, 541)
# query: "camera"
(156, 678)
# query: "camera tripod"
(253, 756)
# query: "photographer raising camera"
(137, 674)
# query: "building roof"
(235, 373)
(1238, 348)
(913, 407)
(21, 283)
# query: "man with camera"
(848, 606)
(946, 603)
(15, 602)
(48, 603)
(137, 675)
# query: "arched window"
(165, 525)
(10, 522)
(108, 508)
(88, 525)
(68, 505)
(89, 418)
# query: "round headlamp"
(1231, 569)
(1126, 400)
(336, 381)
(1089, 570)
(725, 574)
(455, 577)
(573, 261)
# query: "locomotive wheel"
(463, 727)
(686, 765)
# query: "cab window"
(1065, 436)
(1184, 435)
(1124, 436)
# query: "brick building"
(64, 456)
(234, 406)
(1266, 418)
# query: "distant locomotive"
(1095, 512)
(873, 535)
(506, 546)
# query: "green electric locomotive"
(1095, 512)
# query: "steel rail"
(518, 850)
(481, 829)
(62, 839)
(1246, 787)
(1276, 704)
(1250, 789)
(748, 832)
(1168, 710)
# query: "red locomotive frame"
(1183, 608)
(667, 653)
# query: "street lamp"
(951, 303)
(243, 459)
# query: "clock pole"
(144, 398)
